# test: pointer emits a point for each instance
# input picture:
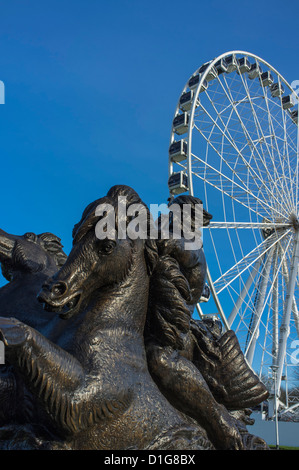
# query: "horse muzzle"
(54, 298)
(7, 244)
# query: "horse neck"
(18, 298)
(21, 276)
(123, 306)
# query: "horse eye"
(29, 236)
(108, 247)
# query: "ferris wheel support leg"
(244, 292)
(199, 311)
(216, 300)
(272, 401)
(294, 303)
(275, 313)
(284, 329)
(249, 354)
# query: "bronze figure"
(26, 262)
(195, 366)
(126, 367)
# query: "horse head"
(96, 264)
(30, 254)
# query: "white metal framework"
(234, 144)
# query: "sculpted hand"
(228, 436)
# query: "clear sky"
(91, 87)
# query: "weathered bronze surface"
(114, 359)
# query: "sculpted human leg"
(184, 386)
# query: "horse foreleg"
(8, 395)
(72, 400)
(50, 372)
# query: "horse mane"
(168, 316)
(169, 313)
(89, 218)
(53, 245)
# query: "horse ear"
(60, 259)
(151, 255)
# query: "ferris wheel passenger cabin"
(266, 79)
(178, 151)
(180, 123)
(276, 90)
(244, 65)
(288, 102)
(212, 73)
(178, 183)
(255, 71)
(232, 63)
(221, 66)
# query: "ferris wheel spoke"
(297, 163)
(260, 134)
(258, 310)
(275, 310)
(245, 291)
(285, 273)
(258, 179)
(247, 261)
(248, 225)
(265, 347)
(254, 171)
(285, 149)
(231, 188)
(262, 138)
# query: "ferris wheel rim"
(210, 65)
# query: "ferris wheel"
(234, 145)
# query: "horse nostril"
(59, 288)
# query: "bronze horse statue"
(94, 386)
(26, 262)
(102, 395)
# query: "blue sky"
(91, 87)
